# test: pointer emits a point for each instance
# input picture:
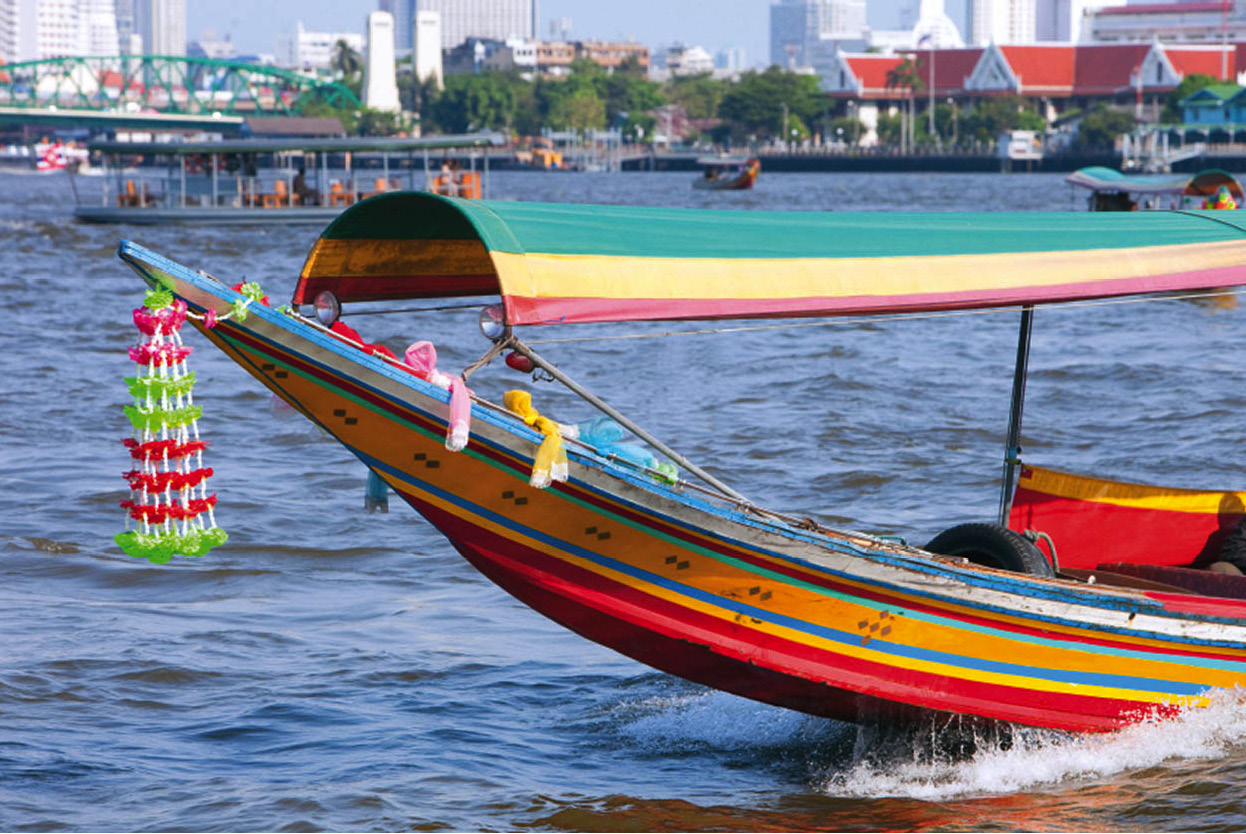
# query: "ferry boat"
(277, 181)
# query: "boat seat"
(1088, 518)
(1183, 580)
(280, 195)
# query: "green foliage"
(845, 128)
(700, 95)
(904, 76)
(474, 102)
(314, 106)
(1101, 126)
(992, 116)
(1189, 85)
(379, 123)
(754, 105)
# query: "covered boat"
(682, 572)
(727, 173)
(1111, 190)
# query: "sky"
(713, 24)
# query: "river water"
(331, 670)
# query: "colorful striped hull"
(831, 625)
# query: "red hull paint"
(722, 655)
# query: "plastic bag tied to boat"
(168, 492)
(422, 357)
(550, 463)
(607, 436)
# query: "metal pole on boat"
(609, 410)
(484, 192)
(1012, 451)
(181, 158)
(216, 174)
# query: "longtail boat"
(727, 173)
(648, 554)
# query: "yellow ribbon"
(551, 458)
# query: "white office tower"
(380, 82)
(162, 25)
(934, 29)
(1067, 21)
(1001, 21)
(495, 19)
(427, 47)
(799, 29)
(98, 22)
(36, 29)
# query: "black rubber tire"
(993, 546)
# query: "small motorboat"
(727, 173)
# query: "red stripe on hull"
(744, 661)
(694, 538)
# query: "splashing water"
(1024, 759)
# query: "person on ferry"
(1222, 200)
(307, 195)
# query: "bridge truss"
(165, 84)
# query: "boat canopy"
(1202, 184)
(357, 144)
(722, 161)
(563, 263)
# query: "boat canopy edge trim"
(560, 263)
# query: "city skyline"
(713, 24)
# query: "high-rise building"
(463, 19)
(1001, 21)
(800, 30)
(1065, 20)
(98, 20)
(162, 25)
(306, 50)
(36, 29)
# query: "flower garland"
(168, 492)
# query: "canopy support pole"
(1012, 449)
(609, 411)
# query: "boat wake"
(929, 764)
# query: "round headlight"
(328, 308)
(492, 323)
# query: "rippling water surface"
(331, 669)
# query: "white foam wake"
(1036, 758)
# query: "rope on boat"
(836, 322)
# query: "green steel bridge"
(130, 85)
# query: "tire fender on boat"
(993, 546)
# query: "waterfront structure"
(463, 19)
(1063, 76)
(426, 47)
(380, 83)
(306, 50)
(803, 31)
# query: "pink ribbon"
(422, 358)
